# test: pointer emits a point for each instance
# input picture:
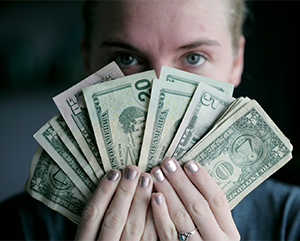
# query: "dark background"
(39, 58)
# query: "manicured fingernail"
(170, 166)
(192, 167)
(144, 181)
(159, 199)
(130, 174)
(158, 175)
(112, 175)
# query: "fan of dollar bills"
(108, 121)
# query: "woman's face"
(187, 35)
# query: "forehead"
(164, 19)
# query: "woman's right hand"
(190, 204)
(119, 208)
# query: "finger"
(95, 209)
(117, 213)
(135, 223)
(212, 193)
(165, 227)
(149, 233)
(178, 213)
(196, 204)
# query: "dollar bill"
(118, 110)
(245, 150)
(234, 107)
(51, 143)
(204, 109)
(179, 76)
(60, 126)
(167, 106)
(72, 107)
(49, 184)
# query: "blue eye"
(195, 59)
(125, 60)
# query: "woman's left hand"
(189, 199)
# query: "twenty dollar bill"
(118, 110)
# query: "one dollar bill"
(245, 150)
(50, 141)
(49, 184)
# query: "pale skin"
(141, 35)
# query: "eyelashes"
(125, 59)
(194, 59)
(128, 61)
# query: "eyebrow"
(209, 42)
(121, 44)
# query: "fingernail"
(159, 199)
(144, 181)
(170, 166)
(112, 175)
(192, 167)
(158, 175)
(130, 174)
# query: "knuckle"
(133, 229)
(200, 207)
(105, 189)
(112, 221)
(220, 200)
(90, 213)
(204, 178)
(126, 190)
(180, 217)
(148, 236)
(181, 180)
(167, 233)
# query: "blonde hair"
(236, 15)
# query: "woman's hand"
(189, 199)
(118, 209)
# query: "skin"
(143, 35)
(172, 33)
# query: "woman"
(203, 37)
